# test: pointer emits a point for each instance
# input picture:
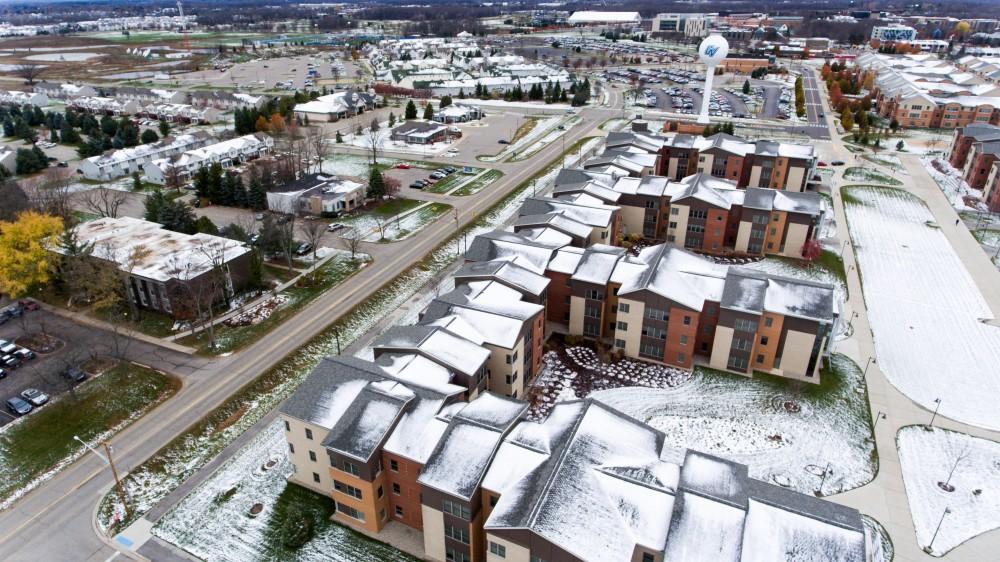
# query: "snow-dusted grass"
(36, 447)
(478, 183)
(869, 175)
(544, 131)
(951, 183)
(829, 268)
(153, 480)
(213, 523)
(382, 227)
(927, 456)
(878, 543)
(924, 307)
(383, 141)
(887, 160)
(753, 421)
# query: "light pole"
(938, 402)
(843, 246)
(826, 471)
(930, 548)
(114, 472)
(864, 375)
(879, 416)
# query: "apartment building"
(459, 361)
(232, 152)
(104, 106)
(117, 163)
(974, 149)
(585, 484)
(991, 189)
(168, 271)
(223, 100)
(602, 221)
(146, 96)
(181, 113)
(492, 315)
(700, 212)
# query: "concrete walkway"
(885, 497)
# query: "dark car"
(303, 249)
(13, 311)
(417, 185)
(503, 141)
(837, 163)
(75, 374)
(17, 406)
(28, 304)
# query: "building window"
(744, 325)
(650, 350)
(537, 559)
(687, 320)
(315, 478)
(760, 358)
(656, 314)
(309, 433)
(393, 466)
(312, 456)
(396, 489)
(350, 512)
(594, 295)
(291, 448)
(347, 489)
(647, 557)
(351, 469)
(674, 211)
(452, 555)
(622, 307)
(511, 379)
(763, 340)
(741, 344)
(493, 500)
(380, 492)
(620, 344)
(738, 363)
(288, 426)
(768, 321)
(657, 333)
(681, 357)
(623, 326)
(592, 312)
(460, 534)
(498, 549)
(399, 511)
(456, 509)
(684, 340)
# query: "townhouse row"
(216, 99)
(164, 111)
(480, 482)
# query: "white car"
(34, 396)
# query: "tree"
(105, 202)
(29, 71)
(392, 186)
(374, 140)
(29, 161)
(352, 240)
(68, 134)
(149, 136)
(15, 200)
(256, 195)
(340, 138)
(900, 145)
(26, 260)
(445, 102)
(136, 181)
(411, 110)
(376, 184)
(429, 111)
(894, 125)
(313, 231)
(392, 119)
(262, 124)
(847, 119)
(164, 128)
(746, 86)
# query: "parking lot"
(285, 73)
(74, 344)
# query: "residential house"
(181, 113)
(458, 113)
(18, 98)
(8, 159)
(317, 195)
(147, 96)
(223, 100)
(168, 272)
(419, 132)
(104, 106)
(64, 90)
(336, 106)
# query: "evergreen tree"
(256, 196)
(240, 197)
(214, 182)
(201, 183)
(68, 134)
(461, 94)
(445, 102)
(376, 184)
(411, 110)
(136, 181)
(392, 119)
(429, 111)
(149, 136)
(340, 138)
(746, 86)
(154, 204)
(164, 128)
(8, 127)
(53, 135)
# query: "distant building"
(164, 267)
(104, 106)
(181, 113)
(225, 101)
(336, 106)
(458, 113)
(605, 18)
(232, 152)
(8, 159)
(317, 195)
(689, 24)
(64, 90)
(893, 33)
(117, 163)
(19, 98)
(419, 132)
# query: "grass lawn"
(860, 174)
(150, 323)
(228, 338)
(102, 406)
(525, 128)
(478, 184)
(396, 206)
(83, 216)
(278, 273)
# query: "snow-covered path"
(925, 309)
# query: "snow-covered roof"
(751, 291)
(495, 310)
(146, 249)
(598, 263)
(809, 203)
(369, 419)
(499, 244)
(555, 220)
(590, 16)
(679, 275)
(436, 344)
(505, 271)
(594, 215)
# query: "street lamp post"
(826, 471)
(938, 402)
(864, 376)
(879, 416)
(930, 547)
(108, 460)
(843, 246)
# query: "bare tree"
(392, 186)
(352, 240)
(103, 202)
(959, 459)
(320, 144)
(335, 71)
(380, 223)
(284, 233)
(15, 200)
(29, 71)
(50, 193)
(313, 231)
(173, 178)
(112, 293)
(374, 140)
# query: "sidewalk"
(86, 320)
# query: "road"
(54, 523)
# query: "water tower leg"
(706, 95)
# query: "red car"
(821, 163)
(27, 304)
(403, 166)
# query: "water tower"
(711, 52)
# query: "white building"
(336, 106)
(150, 95)
(64, 90)
(226, 153)
(118, 163)
(458, 113)
(8, 159)
(317, 195)
(15, 97)
(181, 112)
(604, 18)
(690, 24)
(890, 33)
(106, 106)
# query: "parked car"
(334, 226)
(303, 249)
(10, 361)
(417, 185)
(28, 304)
(13, 311)
(17, 406)
(75, 374)
(821, 164)
(3, 374)
(837, 163)
(24, 353)
(403, 166)
(34, 396)
(503, 141)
